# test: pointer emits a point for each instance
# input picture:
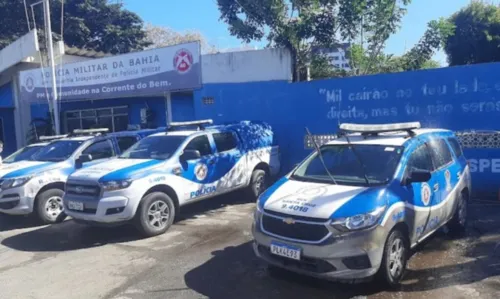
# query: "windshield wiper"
(351, 146)
(320, 155)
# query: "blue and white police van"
(151, 181)
(355, 207)
(36, 186)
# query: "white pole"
(48, 32)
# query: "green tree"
(301, 25)
(476, 37)
(90, 24)
(160, 36)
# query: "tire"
(149, 218)
(393, 264)
(258, 184)
(49, 207)
(458, 223)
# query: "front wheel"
(395, 258)
(258, 183)
(155, 214)
(49, 206)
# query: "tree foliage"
(160, 36)
(476, 36)
(301, 25)
(89, 24)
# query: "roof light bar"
(197, 123)
(47, 138)
(380, 128)
(83, 132)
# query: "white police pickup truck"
(35, 186)
(154, 178)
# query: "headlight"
(15, 182)
(359, 222)
(116, 185)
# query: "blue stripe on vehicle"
(363, 203)
(269, 192)
(130, 172)
(27, 170)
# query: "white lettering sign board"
(140, 73)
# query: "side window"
(455, 146)
(420, 159)
(440, 152)
(100, 150)
(200, 144)
(224, 141)
(125, 142)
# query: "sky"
(203, 16)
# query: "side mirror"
(418, 176)
(82, 159)
(190, 155)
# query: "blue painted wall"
(7, 116)
(458, 98)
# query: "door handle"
(458, 175)
(436, 187)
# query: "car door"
(230, 170)
(443, 163)
(421, 195)
(199, 173)
(454, 175)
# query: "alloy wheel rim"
(53, 207)
(158, 214)
(396, 258)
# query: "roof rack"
(200, 124)
(375, 129)
(92, 132)
(49, 138)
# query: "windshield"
(380, 162)
(154, 147)
(26, 153)
(57, 151)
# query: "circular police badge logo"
(425, 193)
(29, 83)
(183, 60)
(447, 177)
(200, 171)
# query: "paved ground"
(208, 254)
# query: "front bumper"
(17, 201)
(113, 209)
(356, 256)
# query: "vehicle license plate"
(285, 251)
(73, 205)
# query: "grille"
(298, 230)
(82, 190)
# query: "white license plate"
(285, 251)
(74, 205)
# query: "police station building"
(143, 89)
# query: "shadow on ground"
(8, 222)
(443, 261)
(70, 235)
